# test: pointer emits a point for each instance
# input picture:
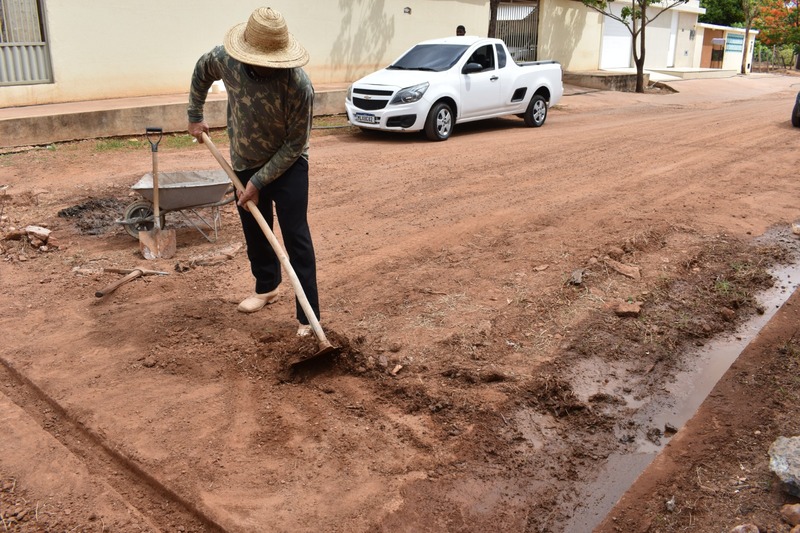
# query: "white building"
(55, 51)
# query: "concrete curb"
(42, 125)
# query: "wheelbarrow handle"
(150, 133)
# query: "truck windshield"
(435, 57)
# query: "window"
(734, 42)
(24, 56)
(434, 57)
(501, 56)
(483, 56)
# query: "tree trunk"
(639, 75)
(493, 18)
(640, 60)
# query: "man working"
(270, 101)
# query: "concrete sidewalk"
(46, 124)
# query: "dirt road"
(484, 376)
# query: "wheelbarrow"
(184, 193)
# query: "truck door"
(480, 91)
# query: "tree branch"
(610, 15)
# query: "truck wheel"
(439, 124)
(536, 112)
(796, 116)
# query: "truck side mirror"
(470, 68)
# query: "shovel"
(324, 346)
(156, 243)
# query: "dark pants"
(289, 194)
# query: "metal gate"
(24, 55)
(517, 26)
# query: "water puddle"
(678, 403)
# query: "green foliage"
(777, 55)
(787, 53)
(778, 22)
(722, 12)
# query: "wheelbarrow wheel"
(139, 217)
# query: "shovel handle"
(273, 241)
(153, 135)
(111, 288)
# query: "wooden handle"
(156, 211)
(145, 272)
(273, 241)
(111, 288)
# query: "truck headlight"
(349, 94)
(410, 94)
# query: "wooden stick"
(145, 272)
(111, 288)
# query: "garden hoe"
(130, 274)
(324, 346)
(156, 243)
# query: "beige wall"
(686, 49)
(570, 33)
(119, 48)
(657, 35)
(573, 34)
(658, 38)
(733, 60)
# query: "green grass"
(116, 143)
(168, 141)
(327, 121)
(723, 286)
(180, 140)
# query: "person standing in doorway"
(270, 100)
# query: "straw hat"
(265, 41)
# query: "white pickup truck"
(441, 82)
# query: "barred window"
(24, 55)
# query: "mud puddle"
(678, 402)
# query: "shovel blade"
(324, 352)
(157, 243)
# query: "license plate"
(366, 118)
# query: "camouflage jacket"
(269, 118)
